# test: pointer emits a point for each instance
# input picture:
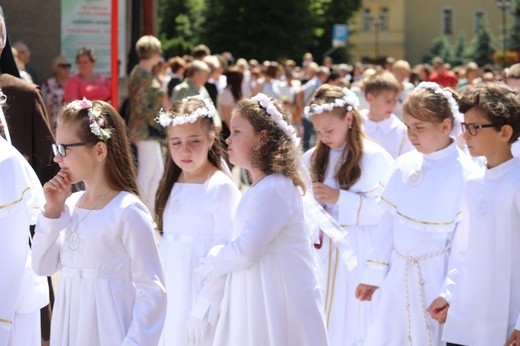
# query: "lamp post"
(504, 5)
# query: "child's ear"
(446, 126)
(505, 133)
(263, 135)
(369, 97)
(101, 150)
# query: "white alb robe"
(358, 212)
(196, 217)
(272, 296)
(483, 281)
(390, 133)
(423, 199)
(111, 288)
(21, 197)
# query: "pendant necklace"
(73, 239)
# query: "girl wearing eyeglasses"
(111, 288)
(423, 204)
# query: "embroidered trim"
(10, 204)
(378, 262)
(3, 320)
(442, 223)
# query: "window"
(367, 20)
(384, 19)
(478, 21)
(447, 21)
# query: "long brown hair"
(120, 163)
(350, 170)
(277, 153)
(172, 172)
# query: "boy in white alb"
(381, 124)
(481, 292)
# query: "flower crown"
(349, 99)
(436, 88)
(265, 102)
(96, 119)
(207, 111)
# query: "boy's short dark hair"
(381, 82)
(496, 102)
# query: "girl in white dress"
(423, 202)
(111, 286)
(348, 173)
(195, 205)
(272, 296)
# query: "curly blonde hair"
(277, 153)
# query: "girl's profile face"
(241, 141)
(331, 129)
(426, 136)
(79, 161)
(189, 145)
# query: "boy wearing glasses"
(480, 298)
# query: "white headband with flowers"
(436, 88)
(207, 111)
(265, 102)
(349, 99)
(96, 119)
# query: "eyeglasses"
(65, 65)
(472, 128)
(61, 149)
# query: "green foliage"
(179, 25)
(514, 38)
(440, 47)
(459, 56)
(482, 46)
(261, 29)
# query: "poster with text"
(87, 23)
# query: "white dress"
(21, 298)
(196, 217)
(483, 284)
(408, 262)
(358, 212)
(272, 296)
(111, 287)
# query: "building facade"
(405, 29)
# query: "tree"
(514, 38)
(459, 51)
(482, 46)
(179, 25)
(261, 29)
(440, 47)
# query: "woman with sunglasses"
(54, 87)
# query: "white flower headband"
(265, 102)
(349, 99)
(207, 111)
(96, 119)
(436, 88)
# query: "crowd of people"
(243, 203)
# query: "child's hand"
(439, 309)
(56, 192)
(365, 292)
(514, 339)
(324, 193)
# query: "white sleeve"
(223, 205)
(150, 304)
(266, 216)
(378, 260)
(48, 239)
(458, 253)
